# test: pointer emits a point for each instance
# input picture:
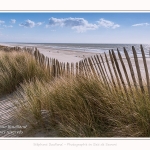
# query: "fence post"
(54, 68)
(91, 66)
(77, 68)
(111, 74)
(125, 71)
(85, 72)
(114, 68)
(138, 69)
(119, 72)
(72, 69)
(87, 66)
(146, 70)
(68, 69)
(99, 63)
(131, 68)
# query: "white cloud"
(13, 21)
(141, 24)
(28, 24)
(2, 22)
(84, 28)
(78, 24)
(56, 22)
(107, 24)
(39, 23)
(115, 26)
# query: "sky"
(75, 27)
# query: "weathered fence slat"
(95, 66)
(124, 68)
(64, 68)
(85, 72)
(131, 68)
(102, 71)
(103, 64)
(146, 70)
(111, 74)
(68, 69)
(80, 68)
(119, 72)
(49, 66)
(101, 76)
(91, 66)
(138, 69)
(57, 68)
(54, 68)
(60, 66)
(114, 68)
(72, 69)
(77, 69)
(125, 72)
(87, 66)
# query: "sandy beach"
(70, 56)
(65, 55)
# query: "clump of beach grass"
(83, 107)
(16, 67)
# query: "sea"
(87, 47)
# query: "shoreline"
(70, 56)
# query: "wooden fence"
(113, 69)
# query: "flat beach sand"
(65, 55)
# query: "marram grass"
(15, 68)
(72, 106)
(83, 107)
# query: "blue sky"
(75, 27)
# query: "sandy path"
(11, 126)
(7, 117)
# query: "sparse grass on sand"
(73, 107)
